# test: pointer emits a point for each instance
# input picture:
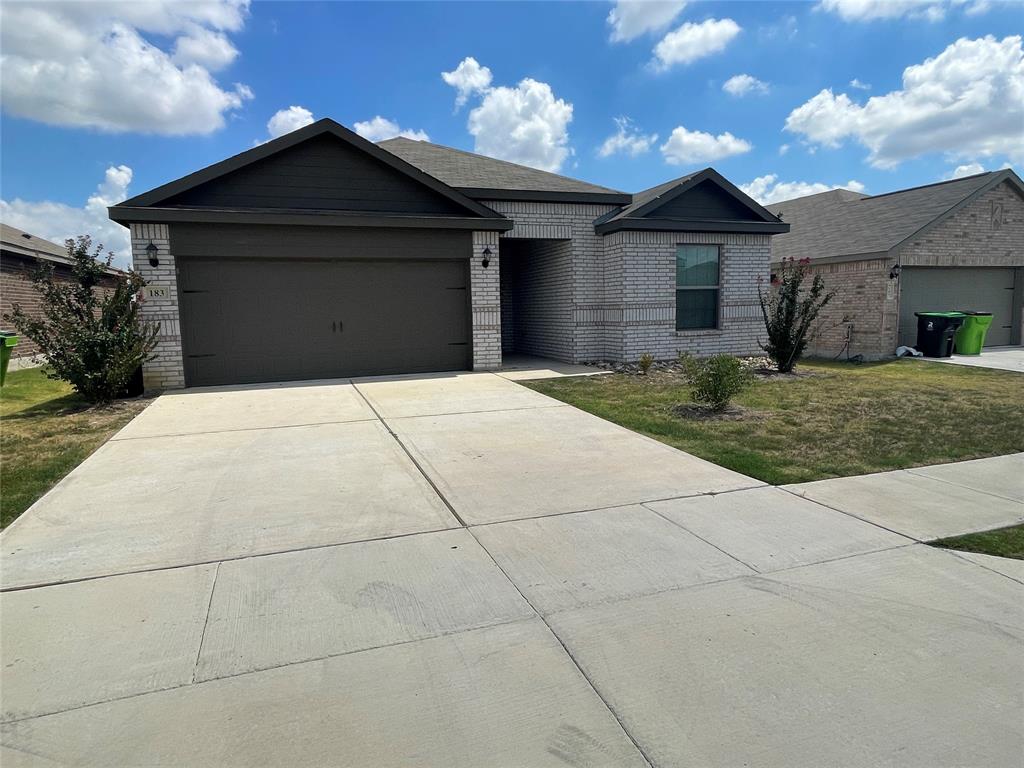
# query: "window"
(696, 286)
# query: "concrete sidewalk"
(453, 570)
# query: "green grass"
(46, 430)
(1004, 542)
(843, 420)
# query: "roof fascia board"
(272, 147)
(545, 196)
(124, 214)
(681, 225)
(997, 179)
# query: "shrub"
(715, 380)
(646, 361)
(91, 338)
(789, 311)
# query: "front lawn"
(1004, 542)
(46, 431)
(840, 420)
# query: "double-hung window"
(697, 275)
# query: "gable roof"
(156, 204)
(842, 224)
(670, 200)
(486, 178)
(21, 243)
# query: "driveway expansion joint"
(116, 439)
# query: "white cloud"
(741, 85)
(693, 41)
(58, 222)
(768, 189)
(928, 10)
(380, 128)
(627, 140)
(970, 169)
(288, 120)
(92, 64)
(783, 149)
(685, 146)
(967, 102)
(630, 19)
(206, 48)
(468, 78)
(785, 29)
(525, 125)
(855, 83)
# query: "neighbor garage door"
(255, 320)
(924, 289)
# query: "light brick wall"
(641, 271)
(167, 370)
(485, 295)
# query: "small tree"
(715, 380)
(92, 339)
(789, 311)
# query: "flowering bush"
(789, 311)
(91, 339)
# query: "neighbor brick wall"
(485, 295)
(864, 309)
(166, 370)
(16, 287)
(641, 273)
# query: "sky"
(105, 100)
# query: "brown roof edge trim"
(1007, 175)
(272, 147)
(846, 257)
(683, 225)
(545, 196)
(124, 214)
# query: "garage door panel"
(255, 320)
(976, 289)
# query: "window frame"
(717, 287)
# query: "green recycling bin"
(7, 342)
(970, 337)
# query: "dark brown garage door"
(256, 320)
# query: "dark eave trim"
(319, 128)
(545, 196)
(837, 258)
(124, 214)
(683, 225)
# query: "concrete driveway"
(998, 358)
(454, 570)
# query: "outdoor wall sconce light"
(895, 272)
(486, 261)
(151, 251)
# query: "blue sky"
(172, 87)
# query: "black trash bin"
(935, 332)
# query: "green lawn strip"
(842, 420)
(46, 430)
(1003, 542)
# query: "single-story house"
(321, 254)
(955, 245)
(21, 254)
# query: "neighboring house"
(954, 245)
(20, 256)
(321, 254)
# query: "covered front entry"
(977, 289)
(258, 320)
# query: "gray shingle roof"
(465, 170)
(640, 199)
(842, 223)
(22, 242)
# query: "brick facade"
(866, 307)
(16, 287)
(160, 305)
(485, 295)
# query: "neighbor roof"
(486, 178)
(17, 241)
(843, 224)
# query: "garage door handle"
(341, 326)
